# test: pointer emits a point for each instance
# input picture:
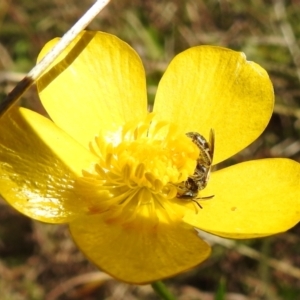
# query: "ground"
(40, 261)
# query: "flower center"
(138, 172)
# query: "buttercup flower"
(115, 172)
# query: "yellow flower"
(112, 171)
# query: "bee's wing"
(212, 143)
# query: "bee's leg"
(202, 198)
(196, 202)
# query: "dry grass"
(39, 261)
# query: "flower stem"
(161, 290)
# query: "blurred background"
(39, 261)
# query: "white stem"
(68, 37)
(36, 71)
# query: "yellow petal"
(251, 199)
(98, 83)
(38, 166)
(135, 256)
(216, 88)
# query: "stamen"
(126, 170)
(139, 169)
(108, 159)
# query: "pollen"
(138, 171)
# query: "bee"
(189, 189)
